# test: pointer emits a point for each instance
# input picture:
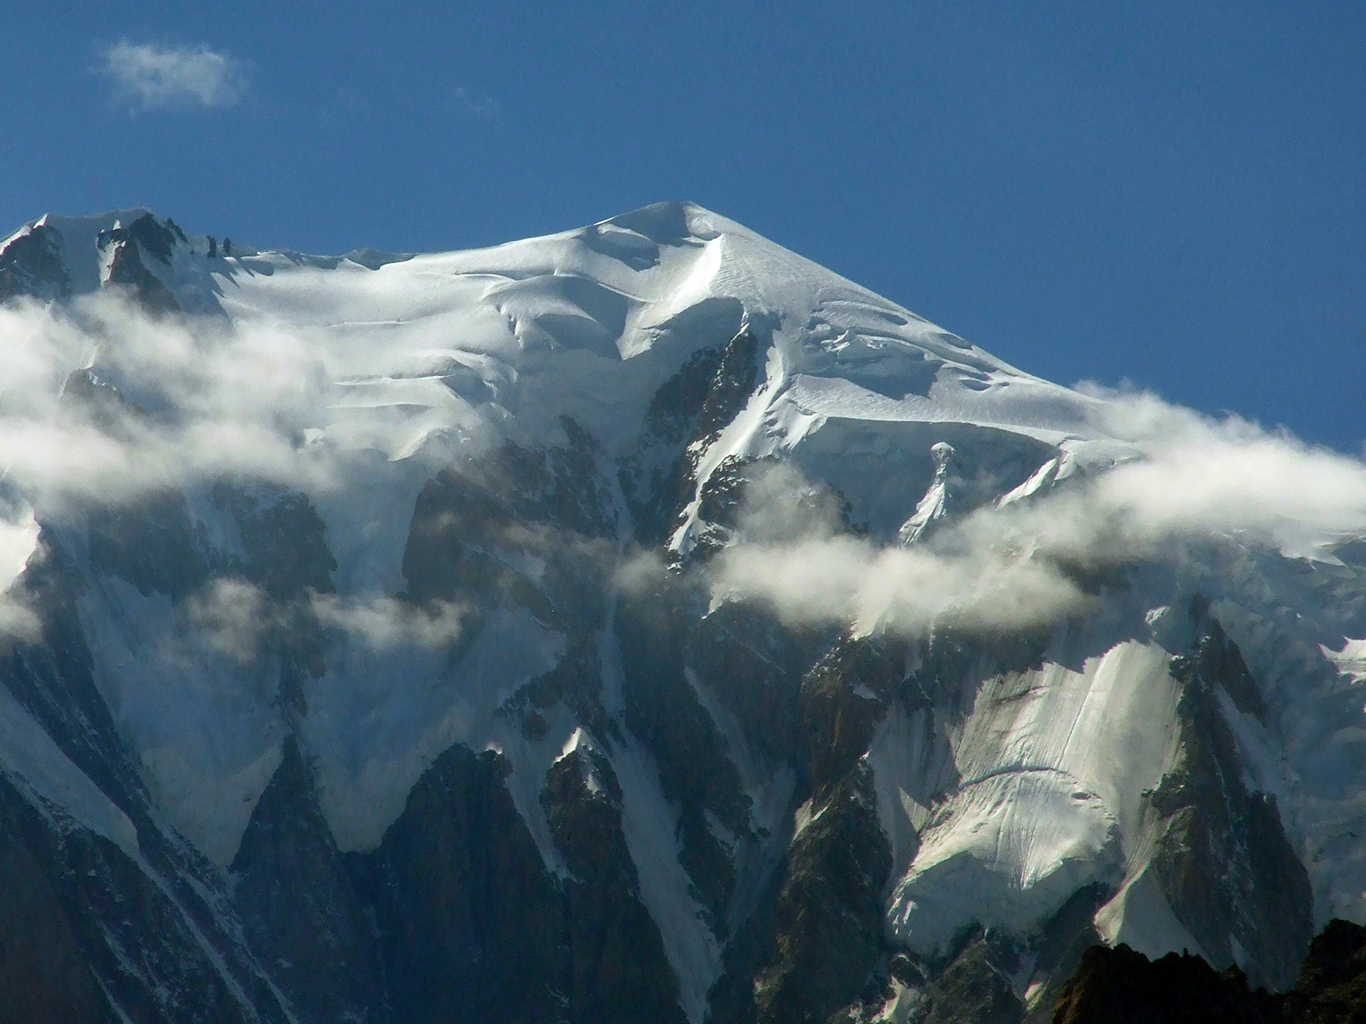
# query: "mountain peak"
(614, 624)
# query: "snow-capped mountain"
(635, 623)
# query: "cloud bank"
(1024, 563)
(105, 403)
(152, 77)
(178, 403)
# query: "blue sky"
(1169, 193)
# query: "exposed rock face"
(973, 989)
(126, 246)
(31, 264)
(146, 911)
(827, 921)
(1121, 985)
(127, 270)
(685, 415)
(1332, 982)
(1223, 858)
(617, 970)
(44, 975)
(300, 907)
(663, 710)
(471, 924)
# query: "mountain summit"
(637, 623)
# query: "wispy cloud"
(383, 623)
(195, 400)
(198, 400)
(1193, 480)
(240, 621)
(476, 105)
(152, 77)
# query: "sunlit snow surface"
(461, 348)
(432, 358)
(1050, 770)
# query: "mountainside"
(639, 623)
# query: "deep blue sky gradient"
(1169, 193)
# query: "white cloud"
(383, 623)
(231, 617)
(850, 581)
(237, 620)
(155, 77)
(1196, 480)
(479, 106)
(258, 401)
(17, 620)
(246, 401)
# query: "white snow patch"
(912, 764)
(378, 718)
(651, 824)
(1053, 763)
(18, 542)
(1350, 661)
(31, 758)
(203, 726)
(1140, 917)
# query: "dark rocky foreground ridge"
(1121, 986)
(638, 799)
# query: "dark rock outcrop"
(1224, 862)
(695, 404)
(471, 925)
(1332, 984)
(973, 989)
(1121, 986)
(617, 969)
(151, 543)
(299, 907)
(127, 270)
(31, 265)
(695, 769)
(147, 930)
(45, 977)
(827, 932)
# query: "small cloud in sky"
(152, 77)
(479, 105)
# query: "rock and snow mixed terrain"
(635, 623)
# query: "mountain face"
(639, 623)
